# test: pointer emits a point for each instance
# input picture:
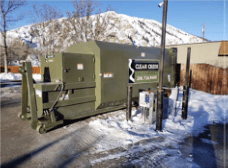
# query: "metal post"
(190, 79)
(160, 90)
(183, 102)
(174, 62)
(186, 88)
(24, 101)
(159, 111)
(31, 95)
(187, 66)
(129, 102)
(203, 30)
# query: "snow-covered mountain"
(144, 32)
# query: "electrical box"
(148, 101)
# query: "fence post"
(186, 88)
(129, 102)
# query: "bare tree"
(46, 27)
(81, 26)
(19, 50)
(7, 8)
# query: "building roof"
(196, 43)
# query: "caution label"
(108, 75)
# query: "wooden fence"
(207, 78)
(14, 69)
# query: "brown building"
(209, 65)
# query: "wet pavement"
(21, 146)
(219, 135)
(9, 83)
(208, 149)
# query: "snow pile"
(203, 109)
(16, 76)
(119, 132)
(36, 77)
(10, 76)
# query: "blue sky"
(186, 15)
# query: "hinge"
(93, 76)
(93, 60)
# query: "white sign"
(169, 77)
(108, 75)
(146, 99)
(143, 54)
(80, 66)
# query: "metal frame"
(29, 100)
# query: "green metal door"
(78, 68)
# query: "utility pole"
(203, 30)
(160, 90)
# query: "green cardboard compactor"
(89, 79)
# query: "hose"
(56, 101)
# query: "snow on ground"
(16, 76)
(204, 108)
(10, 76)
(36, 77)
(108, 131)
